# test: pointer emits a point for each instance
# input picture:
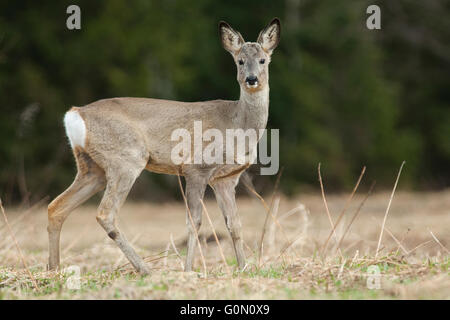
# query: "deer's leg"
(119, 183)
(195, 190)
(224, 190)
(89, 180)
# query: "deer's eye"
(262, 61)
(241, 62)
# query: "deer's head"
(252, 58)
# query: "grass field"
(413, 260)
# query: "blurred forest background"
(341, 94)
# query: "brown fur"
(124, 136)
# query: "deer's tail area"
(75, 128)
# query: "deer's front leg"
(224, 190)
(195, 190)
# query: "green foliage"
(341, 94)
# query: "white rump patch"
(75, 128)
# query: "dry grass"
(413, 256)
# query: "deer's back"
(142, 127)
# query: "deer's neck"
(254, 108)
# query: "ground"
(296, 263)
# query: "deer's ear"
(269, 37)
(232, 40)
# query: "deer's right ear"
(269, 37)
(232, 40)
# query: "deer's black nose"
(251, 80)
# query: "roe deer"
(114, 140)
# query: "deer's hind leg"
(89, 180)
(120, 179)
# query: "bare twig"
(326, 207)
(400, 246)
(344, 209)
(291, 212)
(418, 246)
(389, 232)
(271, 228)
(388, 207)
(396, 240)
(215, 236)
(269, 212)
(325, 202)
(18, 247)
(355, 215)
(176, 251)
(437, 240)
(284, 249)
(166, 254)
(253, 191)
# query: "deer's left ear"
(269, 37)
(232, 40)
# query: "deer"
(113, 140)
